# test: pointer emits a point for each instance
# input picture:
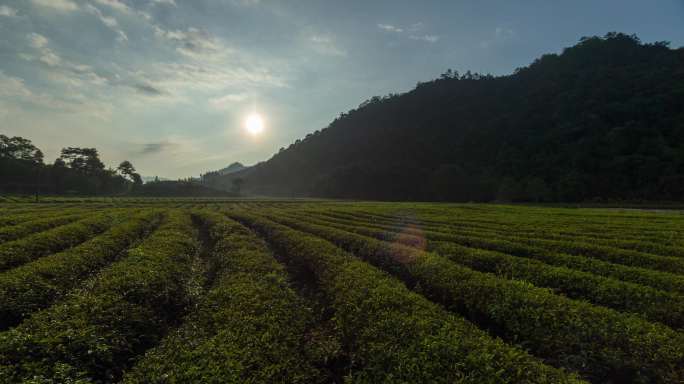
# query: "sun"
(254, 124)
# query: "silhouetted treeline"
(179, 188)
(77, 171)
(602, 120)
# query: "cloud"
(14, 90)
(414, 29)
(47, 56)
(7, 11)
(390, 28)
(155, 148)
(125, 9)
(205, 68)
(62, 70)
(427, 38)
(116, 4)
(174, 148)
(325, 45)
(110, 22)
(13, 87)
(57, 5)
(148, 90)
(193, 42)
(501, 35)
(203, 77)
(245, 3)
(167, 2)
(227, 101)
(37, 41)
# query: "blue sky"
(167, 84)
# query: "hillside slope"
(604, 119)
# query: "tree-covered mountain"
(603, 119)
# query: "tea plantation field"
(266, 291)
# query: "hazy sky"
(167, 84)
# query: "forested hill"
(604, 119)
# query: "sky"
(168, 84)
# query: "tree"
(137, 180)
(38, 156)
(18, 148)
(126, 169)
(85, 160)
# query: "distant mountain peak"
(232, 168)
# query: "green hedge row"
(522, 223)
(628, 252)
(18, 231)
(94, 334)
(36, 285)
(656, 279)
(652, 304)
(32, 247)
(554, 231)
(602, 344)
(249, 328)
(11, 218)
(632, 258)
(394, 335)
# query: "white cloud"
(227, 101)
(501, 35)
(245, 3)
(427, 38)
(57, 5)
(194, 43)
(46, 55)
(14, 90)
(50, 58)
(414, 29)
(198, 76)
(7, 11)
(390, 28)
(125, 9)
(12, 86)
(62, 71)
(37, 40)
(167, 2)
(116, 4)
(73, 78)
(325, 45)
(109, 21)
